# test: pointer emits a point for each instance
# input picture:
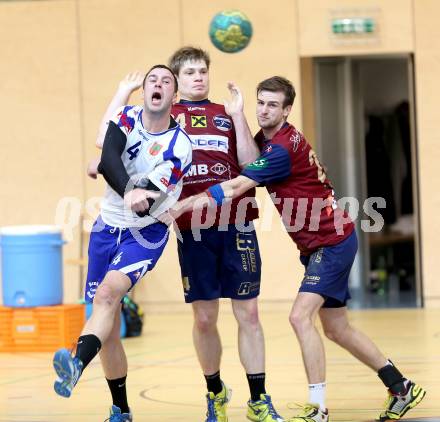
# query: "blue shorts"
(223, 263)
(131, 251)
(327, 272)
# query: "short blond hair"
(188, 53)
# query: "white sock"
(317, 395)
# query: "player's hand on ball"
(132, 81)
(137, 201)
(235, 104)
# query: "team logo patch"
(244, 288)
(296, 140)
(222, 122)
(199, 121)
(155, 148)
(258, 164)
(219, 169)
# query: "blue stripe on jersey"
(273, 165)
(176, 172)
(139, 117)
(185, 170)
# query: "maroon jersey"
(300, 189)
(214, 160)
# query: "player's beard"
(267, 124)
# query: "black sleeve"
(111, 165)
(114, 171)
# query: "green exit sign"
(353, 26)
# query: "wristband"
(216, 193)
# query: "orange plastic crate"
(40, 329)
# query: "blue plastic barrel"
(32, 269)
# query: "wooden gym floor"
(165, 383)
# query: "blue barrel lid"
(27, 230)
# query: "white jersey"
(163, 158)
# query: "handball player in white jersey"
(145, 156)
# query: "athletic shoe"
(263, 410)
(310, 413)
(68, 370)
(398, 404)
(117, 416)
(217, 405)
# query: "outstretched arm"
(214, 196)
(127, 86)
(247, 150)
(274, 165)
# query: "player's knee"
(249, 318)
(204, 321)
(106, 296)
(335, 334)
(299, 320)
(331, 334)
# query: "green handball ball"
(230, 31)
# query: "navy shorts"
(131, 251)
(222, 263)
(327, 271)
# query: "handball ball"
(230, 31)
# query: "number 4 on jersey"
(133, 151)
(181, 120)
